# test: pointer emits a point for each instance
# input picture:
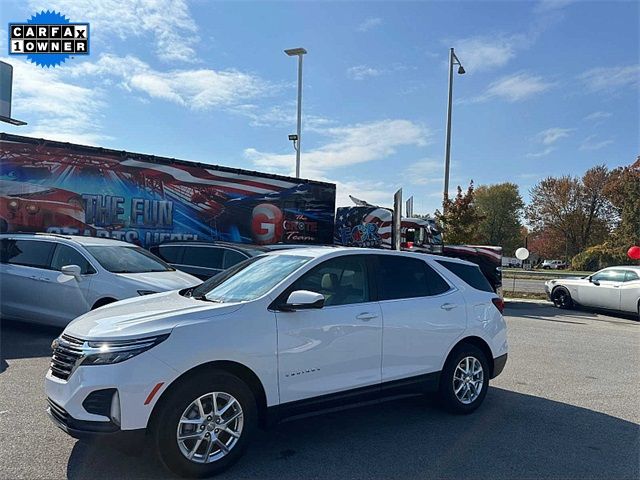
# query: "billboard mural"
(62, 188)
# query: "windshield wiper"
(205, 299)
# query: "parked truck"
(366, 225)
(55, 187)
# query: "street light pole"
(453, 60)
(299, 52)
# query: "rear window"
(471, 274)
(31, 253)
(404, 277)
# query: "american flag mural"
(363, 226)
(64, 188)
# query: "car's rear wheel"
(205, 424)
(561, 298)
(464, 380)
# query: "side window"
(471, 274)
(206, 257)
(65, 255)
(341, 280)
(437, 284)
(631, 276)
(169, 253)
(231, 257)
(402, 277)
(30, 253)
(610, 276)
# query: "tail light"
(499, 303)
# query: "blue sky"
(551, 88)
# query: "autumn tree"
(573, 209)
(500, 206)
(459, 219)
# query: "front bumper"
(134, 379)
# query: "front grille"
(59, 413)
(65, 356)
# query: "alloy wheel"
(468, 379)
(210, 427)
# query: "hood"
(162, 281)
(145, 316)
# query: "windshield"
(127, 259)
(249, 279)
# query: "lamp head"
(292, 52)
(461, 70)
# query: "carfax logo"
(48, 39)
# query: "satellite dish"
(522, 253)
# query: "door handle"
(448, 306)
(366, 316)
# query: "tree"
(571, 209)
(500, 207)
(459, 219)
(623, 192)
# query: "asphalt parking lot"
(565, 407)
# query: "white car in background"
(554, 265)
(51, 279)
(195, 371)
(613, 288)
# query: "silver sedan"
(613, 288)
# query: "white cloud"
(550, 5)
(597, 116)
(347, 145)
(198, 89)
(376, 193)
(552, 135)
(515, 88)
(168, 22)
(369, 23)
(360, 72)
(485, 53)
(279, 116)
(424, 172)
(609, 79)
(55, 108)
(592, 143)
(542, 153)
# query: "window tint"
(471, 274)
(630, 276)
(65, 255)
(609, 276)
(30, 253)
(169, 253)
(437, 284)
(205, 257)
(342, 281)
(402, 277)
(231, 257)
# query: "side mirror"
(71, 270)
(595, 282)
(303, 300)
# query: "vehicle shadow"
(24, 340)
(575, 314)
(511, 436)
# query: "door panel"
(630, 293)
(607, 293)
(337, 347)
(418, 333)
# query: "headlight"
(108, 352)
(146, 292)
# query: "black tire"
(447, 394)
(561, 298)
(178, 400)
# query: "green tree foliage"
(500, 207)
(459, 219)
(623, 193)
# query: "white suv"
(196, 371)
(52, 279)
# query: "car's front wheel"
(561, 298)
(205, 424)
(464, 380)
